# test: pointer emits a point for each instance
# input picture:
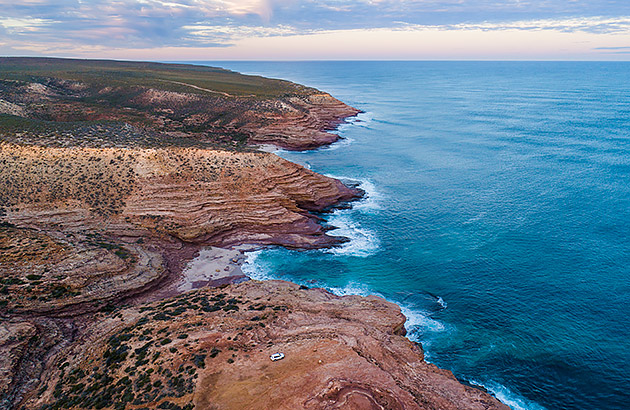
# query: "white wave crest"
(508, 397)
(441, 302)
(363, 119)
(342, 142)
(255, 268)
(372, 199)
(352, 288)
(419, 322)
(363, 242)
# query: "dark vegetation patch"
(138, 365)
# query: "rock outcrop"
(190, 104)
(210, 349)
(302, 122)
(198, 196)
(86, 225)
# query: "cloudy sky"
(317, 29)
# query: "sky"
(200, 30)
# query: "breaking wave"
(362, 242)
(363, 119)
(508, 397)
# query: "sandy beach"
(214, 267)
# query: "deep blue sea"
(497, 216)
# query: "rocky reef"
(113, 178)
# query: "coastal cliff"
(61, 102)
(111, 221)
(113, 178)
(210, 349)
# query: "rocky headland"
(121, 187)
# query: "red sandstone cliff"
(209, 349)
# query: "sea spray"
(254, 267)
(372, 199)
(362, 242)
(506, 396)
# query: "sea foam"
(508, 397)
(372, 197)
(363, 119)
(341, 142)
(255, 268)
(441, 302)
(362, 241)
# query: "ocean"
(497, 215)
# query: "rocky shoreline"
(120, 270)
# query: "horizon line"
(323, 60)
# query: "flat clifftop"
(210, 349)
(81, 74)
(61, 102)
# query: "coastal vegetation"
(84, 75)
(91, 103)
(60, 102)
(154, 361)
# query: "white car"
(276, 356)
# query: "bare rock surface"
(196, 195)
(210, 349)
(303, 123)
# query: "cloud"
(612, 48)
(123, 23)
(55, 26)
(585, 24)
(231, 32)
(23, 26)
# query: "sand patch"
(213, 266)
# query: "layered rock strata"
(67, 102)
(302, 123)
(84, 225)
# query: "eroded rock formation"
(87, 224)
(188, 104)
(210, 349)
(302, 122)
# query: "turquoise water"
(498, 216)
